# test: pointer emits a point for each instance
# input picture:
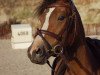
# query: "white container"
(20, 45)
(21, 36)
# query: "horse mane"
(40, 9)
(94, 46)
(79, 29)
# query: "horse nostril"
(39, 51)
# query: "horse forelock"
(40, 9)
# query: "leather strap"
(48, 46)
(57, 37)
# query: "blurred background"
(90, 14)
(21, 11)
(16, 62)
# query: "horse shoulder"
(59, 67)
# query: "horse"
(62, 36)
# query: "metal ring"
(58, 49)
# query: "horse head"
(60, 29)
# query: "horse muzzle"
(38, 56)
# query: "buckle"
(58, 49)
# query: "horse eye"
(61, 18)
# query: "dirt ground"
(16, 62)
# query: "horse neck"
(78, 19)
(82, 58)
(82, 55)
(81, 63)
(82, 52)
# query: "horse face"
(54, 20)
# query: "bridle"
(58, 49)
(55, 36)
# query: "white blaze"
(38, 39)
(46, 23)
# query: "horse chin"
(41, 60)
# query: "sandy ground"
(16, 62)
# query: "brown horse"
(62, 35)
